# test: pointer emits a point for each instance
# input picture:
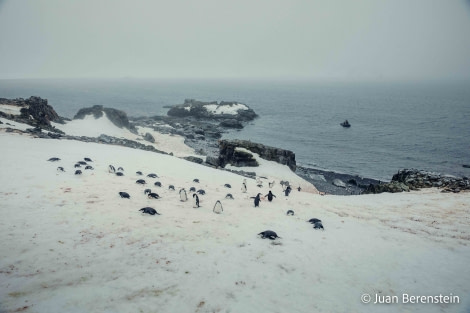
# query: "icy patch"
(225, 109)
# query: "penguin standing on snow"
(195, 201)
(244, 187)
(183, 196)
(270, 196)
(257, 200)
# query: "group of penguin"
(218, 208)
(78, 164)
(182, 193)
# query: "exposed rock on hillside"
(34, 111)
(117, 117)
(229, 155)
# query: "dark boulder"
(228, 154)
(148, 137)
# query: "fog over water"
(323, 40)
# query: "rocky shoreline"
(202, 124)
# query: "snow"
(10, 109)
(225, 109)
(14, 125)
(91, 127)
(71, 244)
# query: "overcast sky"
(328, 39)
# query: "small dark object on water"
(229, 196)
(119, 174)
(201, 192)
(227, 185)
(124, 195)
(466, 165)
(78, 172)
(318, 225)
(269, 234)
(158, 184)
(153, 195)
(152, 175)
(54, 159)
(149, 210)
(290, 212)
(140, 181)
(345, 124)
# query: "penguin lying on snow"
(124, 195)
(268, 234)
(149, 210)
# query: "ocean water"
(394, 125)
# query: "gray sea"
(394, 125)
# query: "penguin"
(82, 162)
(60, 169)
(287, 191)
(244, 187)
(257, 200)
(195, 180)
(152, 175)
(218, 207)
(119, 174)
(290, 212)
(171, 187)
(147, 191)
(54, 159)
(227, 186)
(299, 189)
(138, 173)
(78, 172)
(270, 196)
(120, 169)
(89, 167)
(158, 184)
(77, 165)
(183, 196)
(271, 184)
(201, 192)
(124, 195)
(192, 189)
(88, 159)
(195, 201)
(111, 169)
(153, 195)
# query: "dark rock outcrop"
(228, 154)
(117, 117)
(412, 179)
(34, 111)
(148, 137)
(198, 109)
